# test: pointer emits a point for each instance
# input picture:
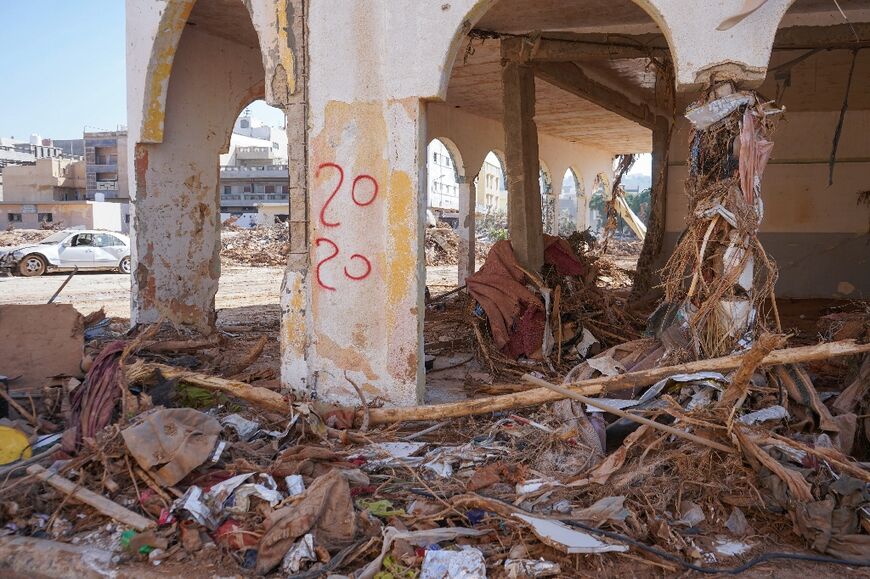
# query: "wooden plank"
(102, 504)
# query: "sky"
(62, 69)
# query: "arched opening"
(445, 216)
(544, 81)
(254, 214)
(215, 71)
(492, 202)
(549, 213)
(570, 204)
(442, 182)
(600, 194)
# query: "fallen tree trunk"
(608, 384)
(183, 345)
(270, 400)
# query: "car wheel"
(32, 265)
(124, 266)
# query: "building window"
(227, 189)
(270, 189)
(45, 217)
(14, 218)
(247, 189)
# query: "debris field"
(704, 431)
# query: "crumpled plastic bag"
(324, 510)
(467, 563)
(170, 442)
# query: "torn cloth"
(93, 402)
(755, 151)
(515, 313)
(325, 510)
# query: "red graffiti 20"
(363, 267)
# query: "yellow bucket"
(13, 445)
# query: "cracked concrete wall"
(177, 208)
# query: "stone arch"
(481, 7)
(578, 198)
(455, 154)
(438, 183)
(483, 187)
(208, 80)
(172, 23)
(279, 59)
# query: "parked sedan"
(70, 249)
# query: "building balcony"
(97, 168)
(255, 172)
(254, 153)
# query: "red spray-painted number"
(365, 274)
(374, 191)
(334, 192)
(317, 243)
(373, 194)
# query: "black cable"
(715, 570)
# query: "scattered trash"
(467, 563)
(171, 442)
(529, 568)
(245, 429)
(775, 412)
(566, 539)
(14, 445)
(302, 551)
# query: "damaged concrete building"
(567, 84)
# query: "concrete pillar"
(645, 276)
(358, 307)
(522, 166)
(467, 228)
(582, 211)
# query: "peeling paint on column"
(160, 68)
(284, 12)
(294, 332)
(364, 276)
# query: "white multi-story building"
(442, 190)
(254, 169)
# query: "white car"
(84, 249)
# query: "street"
(239, 287)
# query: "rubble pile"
(175, 451)
(16, 237)
(442, 246)
(261, 246)
(610, 439)
(169, 466)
